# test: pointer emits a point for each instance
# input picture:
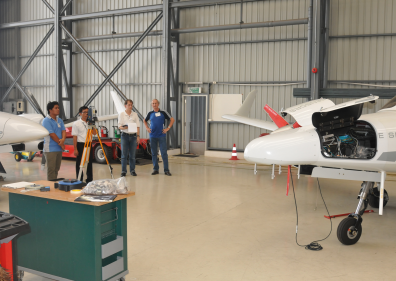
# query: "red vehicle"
(112, 148)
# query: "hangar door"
(195, 112)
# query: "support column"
(317, 54)
(58, 57)
(166, 62)
(175, 89)
(309, 45)
(326, 45)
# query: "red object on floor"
(288, 179)
(344, 215)
(6, 258)
(234, 155)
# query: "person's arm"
(145, 122)
(147, 127)
(54, 137)
(75, 146)
(61, 142)
(120, 125)
(172, 120)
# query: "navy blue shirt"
(157, 122)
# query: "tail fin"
(278, 120)
(117, 102)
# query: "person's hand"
(61, 142)
(138, 139)
(62, 146)
(148, 129)
(164, 131)
(124, 127)
(75, 152)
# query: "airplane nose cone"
(292, 147)
(23, 130)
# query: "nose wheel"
(349, 230)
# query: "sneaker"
(133, 174)
(123, 174)
(155, 173)
(168, 173)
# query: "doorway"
(194, 123)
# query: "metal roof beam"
(134, 10)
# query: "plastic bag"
(106, 187)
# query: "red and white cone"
(234, 153)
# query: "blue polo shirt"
(53, 126)
(157, 122)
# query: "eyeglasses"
(85, 112)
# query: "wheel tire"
(18, 156)
(99, 156)
(374, 198)
(346, 232)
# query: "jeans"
(154, 152)
(128, 147)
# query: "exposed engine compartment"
(356, 140)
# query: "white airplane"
(331, 141)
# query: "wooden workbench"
(61, 195)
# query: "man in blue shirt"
(54, 143)
(157, 132)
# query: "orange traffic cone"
(234, 153)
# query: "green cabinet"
(72, 241)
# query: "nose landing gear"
(350, 228)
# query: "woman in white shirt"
(129, 137)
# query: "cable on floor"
(313, 246)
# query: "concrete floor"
(215, 220)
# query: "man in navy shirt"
(54, 144)
(157, 132)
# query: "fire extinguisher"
(103, 132)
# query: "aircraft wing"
(268, 125)
(242, 114)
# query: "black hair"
(51, 105)
(80, 110)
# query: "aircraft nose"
(292, 147)
(23, 130)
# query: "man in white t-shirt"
(79, 132)
(129, 137)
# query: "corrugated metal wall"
(247, 62)
(140, 77)
(142, 71)
(362, 58)
(8, 13)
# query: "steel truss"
(169, 12)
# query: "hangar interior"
(214, 219)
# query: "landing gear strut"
(350, 229)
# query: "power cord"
(313, 246)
